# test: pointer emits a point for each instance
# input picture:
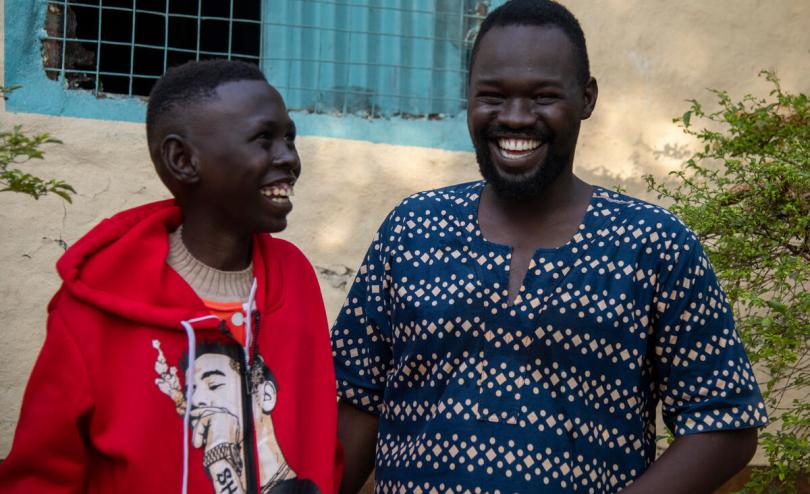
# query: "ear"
(590, 92)
(267, 397)
(179, 159)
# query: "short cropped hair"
(191, 83)
(538, 13)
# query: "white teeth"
(518, 144)
(277, 192)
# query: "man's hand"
(213, 426)
(217, 431)
(698, 463)
(357, 431)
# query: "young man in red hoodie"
(187, 350)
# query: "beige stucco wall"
(649, 57)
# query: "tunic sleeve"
(361, 335)
(705, 380)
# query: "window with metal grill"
(123, 46)
(375, 58)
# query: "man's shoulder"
(633, 213)
(419, 215)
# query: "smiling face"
(216, 383)
(243, 142)
(525, 105)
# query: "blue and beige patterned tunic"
(557, 392)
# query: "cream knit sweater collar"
(207, 282)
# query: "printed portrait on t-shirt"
(217, 417)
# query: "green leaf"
(64, 195)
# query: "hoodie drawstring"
(192, 356)
(249, 307)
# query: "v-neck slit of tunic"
(507, 250)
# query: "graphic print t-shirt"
(233, 314)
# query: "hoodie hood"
(91, 269)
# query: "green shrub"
(17, 148)
(746, 194)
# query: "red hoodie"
(105, 406)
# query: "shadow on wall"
(346, 190)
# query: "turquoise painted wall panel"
(369, 57)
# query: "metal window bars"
(370, 57)
(123, 46)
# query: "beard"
(518, 188)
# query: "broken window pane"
(123, 46)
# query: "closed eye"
(213, 383)
(489, 98)
(215, 386)
(545, 99)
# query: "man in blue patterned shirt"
(517, 334)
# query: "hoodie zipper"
(247, 411)
(249, 439)
(249, 433)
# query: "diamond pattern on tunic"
(556, 392)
